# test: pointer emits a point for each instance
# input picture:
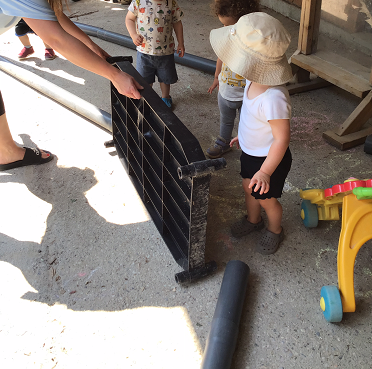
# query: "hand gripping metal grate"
(169, 170)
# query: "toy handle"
(363, 193)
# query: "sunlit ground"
(34, 334)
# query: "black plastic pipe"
(201, 168)
(188, 60)
(223, 335)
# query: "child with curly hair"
(230, 85)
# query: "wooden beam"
(314, 84)
(358, 117)
(348, 141)
(309, 26)
(337, 75)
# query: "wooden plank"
(370, 78)
(358, 117)
(343, 63)
(309, 26)
(348, 141)
(340, 77)
(314, 84)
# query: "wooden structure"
(331, 69)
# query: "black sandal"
(33, 156)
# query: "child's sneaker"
(49, 54)
(168, 101)
(221, 146)
(25, 52)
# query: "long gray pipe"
(58, 94)
(189, 60)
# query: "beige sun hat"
(254, 47)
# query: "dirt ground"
(87, 281)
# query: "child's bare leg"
(47, 46)
(165, 90)
(274, 212)
(25, 40)
(253, 205)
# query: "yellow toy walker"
(355, 197)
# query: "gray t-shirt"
(12, 10)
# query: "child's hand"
(235, 140)
(137, 39)
(214, 85)
(181, 50)
(261, 180)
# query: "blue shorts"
(162, 66)
(252, 164)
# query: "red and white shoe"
(49, 54)
(26, 52)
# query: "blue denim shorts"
(162, 66)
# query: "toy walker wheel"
(309, 214)
(330, 302)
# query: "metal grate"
(168, 168)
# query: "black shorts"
(2, 107)
(22, 28)
(250, 165)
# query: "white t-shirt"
(231, 85)
(155, 23)
(255, 134)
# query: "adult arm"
(79, 54)
(178, 30)
(281, 133)
(71, 28)
(216, 74)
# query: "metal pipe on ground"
(223, 335)
(188, 60)
(58, 94)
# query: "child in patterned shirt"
(150, 24)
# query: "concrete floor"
(87, 281)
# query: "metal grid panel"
(154, 145)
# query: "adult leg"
(9, 151)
